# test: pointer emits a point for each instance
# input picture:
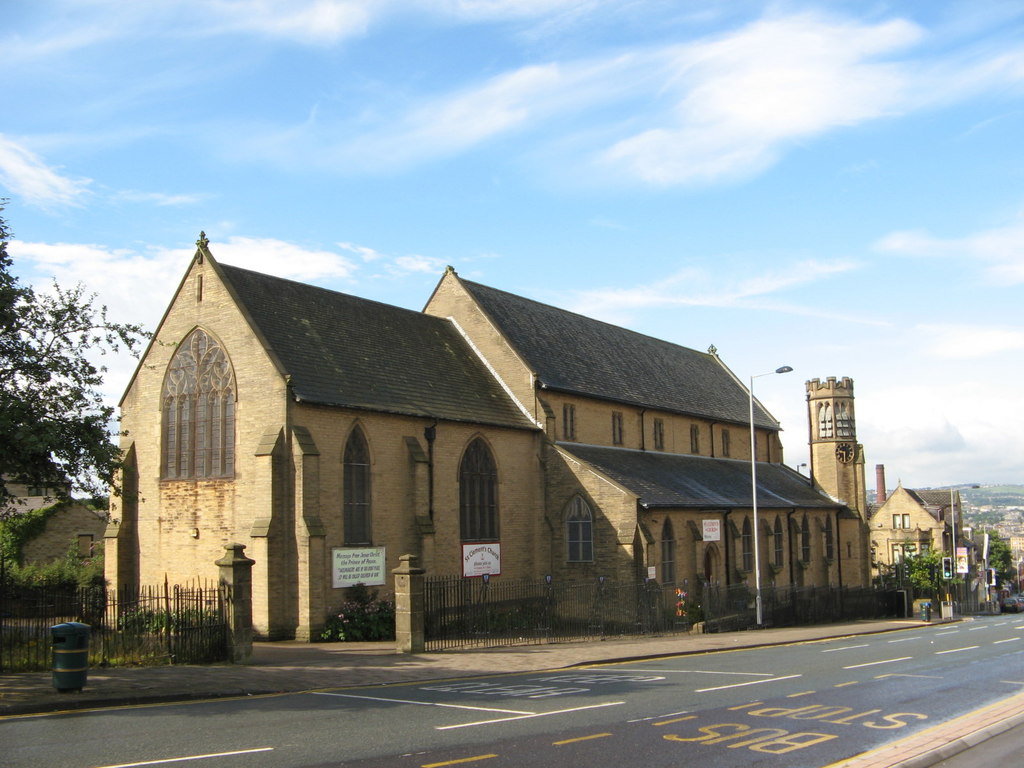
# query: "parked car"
(1013, 604)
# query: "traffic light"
(947, 567)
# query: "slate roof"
(346, 351)
(576, 354)
(701, 482)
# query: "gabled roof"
(675, 480)
(341, 350)
(576, 354)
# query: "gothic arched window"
(805, 539)
(825, 420)
(778, 544)
(356, 489)
(198, 439)
(579, 531)
(844, 422)
(747, 540)
(478, 494)
(668, 553)
(830, 544)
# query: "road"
(809, 704)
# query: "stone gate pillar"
(236, 579)
(409, 636)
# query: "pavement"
(285, 667)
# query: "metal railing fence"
(164, 624)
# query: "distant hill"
(994, 495)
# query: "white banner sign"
(478, 559)
(358, 566)
(711, 530)
(961, 559)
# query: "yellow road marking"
(461, 760)
(797, 695)
(843, 685)
(676, 720)
(581, 738)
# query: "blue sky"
(834, 186)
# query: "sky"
(832, 186)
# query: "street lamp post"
(753, 493)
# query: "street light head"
(783, 369)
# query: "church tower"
(837, 468)
(837, 459)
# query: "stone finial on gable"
(202, 246)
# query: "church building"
(489, 434)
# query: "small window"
(805, 539)
(830, 545)
(726, 441)
(616, 428)
(85, 545)
(569, 421)
(659, 435)
(668, 553)
(579, 524)
(694, 439)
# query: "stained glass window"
(199, 411)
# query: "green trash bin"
(70, 655)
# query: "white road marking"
(740, 685)
(904, 639)
(527, 716)
(422, 703)
(191, 757)
(876, 663)
(957, 650)
(845, 648)
(708, 672)
(1010, 640)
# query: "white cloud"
(25, 174)
(160, 198)
(276, 257)
(743, 96)
(704, 288)
(1002, 248)
(364, 252)
(965, 342)
(417, 264)
(317, 22)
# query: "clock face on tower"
(844, 452)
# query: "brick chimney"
(880, 483)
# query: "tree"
(54, 427)
(925, 572)
(1001, 558)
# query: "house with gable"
(489, 433)
(909, 522)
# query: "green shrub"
(69, 572)
(362, 617)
